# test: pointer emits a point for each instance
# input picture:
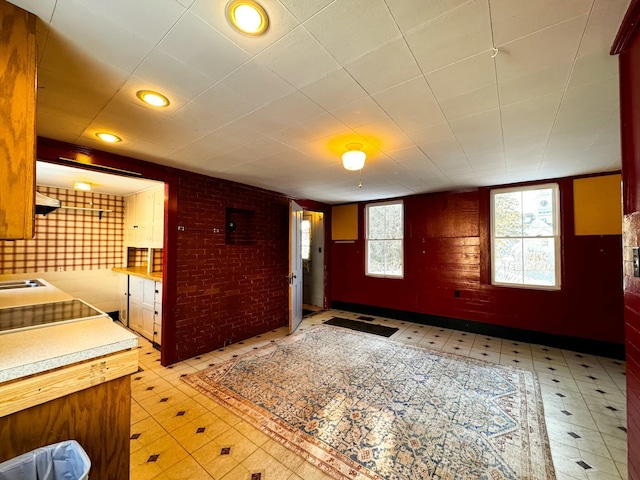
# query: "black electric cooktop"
(29, 316)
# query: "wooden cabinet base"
(98, 418)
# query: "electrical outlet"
(60, 269)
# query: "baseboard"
(583, 345)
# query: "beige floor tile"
(187, 469)
(271, 469)
(241, 446)
(255, 435)
(137, 412)
(309, 472)
(283, 454)
(146, 432)
(238, 473)
(213, 462)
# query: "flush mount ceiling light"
(82, 186)
(353, 158)
(108, 137)
(247, 17)
(152, 98)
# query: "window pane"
(508, 260)
(539, 261)
(393, 257)
(538, 212)
(305, 241)
(385, 257)
(375, 261)
(377, 223)
(385, 221)
(508, 214)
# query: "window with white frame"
(384, 239)
(525, 236)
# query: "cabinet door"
(124, 298)
(147, 322)
(135, 303)
(17, 121)
(130, 225)
(148, 293)
(157, 228)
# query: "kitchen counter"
(37, 350)
(139, 272)
(66, 379)
(27, 296)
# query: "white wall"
(99, 288)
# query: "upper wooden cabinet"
(144, 219)
(17, 121)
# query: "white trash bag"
(60, 461)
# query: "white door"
(295, 266)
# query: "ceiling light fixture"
(353, 158)
(108, 137)
(152, 98)
(247, 17)
(85, 186)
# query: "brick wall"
(228, 291)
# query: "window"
(305, 242)
(384, 242)
(525, 236)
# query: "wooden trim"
(39, 389)
(627, 28)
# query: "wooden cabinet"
(144, 219)
(17, 122)
(97, 417)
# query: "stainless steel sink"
(12, 284)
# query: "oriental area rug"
(359, 406)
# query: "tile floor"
(178, 433)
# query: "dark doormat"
(362, 327)
(306, 312)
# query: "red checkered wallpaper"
(70, 239)
(137, 257)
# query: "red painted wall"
(628, 45)
(447, 249)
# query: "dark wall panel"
(447, 272)
(627, 44)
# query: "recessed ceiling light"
(82, 186)
(247, 17)
(108, 137)
(153, 98)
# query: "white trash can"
(60, 461)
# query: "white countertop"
(40, 349)
(37, 350)
(27, 296)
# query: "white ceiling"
(53, 175)
(414, 81)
